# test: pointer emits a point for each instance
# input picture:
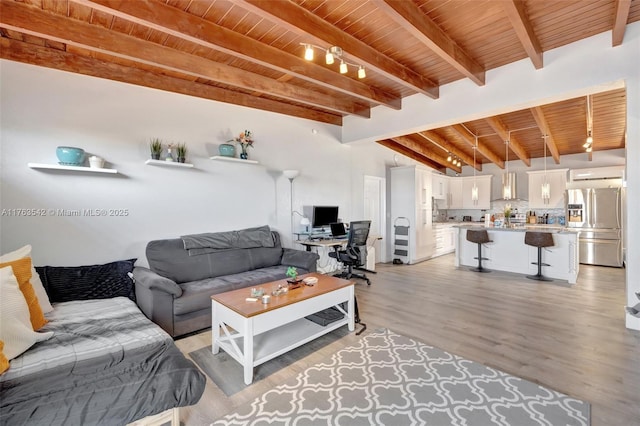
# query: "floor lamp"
(291, 175)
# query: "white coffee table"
(253, 332)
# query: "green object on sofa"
(175, 291)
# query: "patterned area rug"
(228, 374)
(389, 379)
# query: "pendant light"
(546, 189)
(506, 179)
(474, 190)
(588, 145)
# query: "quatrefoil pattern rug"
(389, 379)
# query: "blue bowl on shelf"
(70, 156)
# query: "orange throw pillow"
(22, 271)
(4, 362)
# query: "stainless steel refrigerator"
(598, 214)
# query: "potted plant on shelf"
(181, 152)
(155, 147)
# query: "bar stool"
(539, 239)
(479, 237)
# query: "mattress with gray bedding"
(106, 364)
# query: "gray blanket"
(106, 364)
(211, 242)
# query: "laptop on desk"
(338, 231)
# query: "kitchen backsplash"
(519, 206)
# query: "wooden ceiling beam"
(524, 30)
(541, 121)
(449, 147)
(418, 144)
(33, 54)
(34, 21)
(296, 18)
(194, 29)
(401, 149)
(408, 15)
(514, 144)
(620, 21)
(482, 148)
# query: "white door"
(374, 210)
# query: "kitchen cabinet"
(557, 180)
(484, 192)
(460, 191)
(455, 193)
(411, 192)
(440, 186)
(445, 239)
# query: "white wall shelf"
(71, 168)
(232, 159)
(168, 163)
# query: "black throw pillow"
(66, 283)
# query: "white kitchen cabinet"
(484, 192)
(411, 193)
(445, 239)
(440, 186)
(455, 193)
(557, 180)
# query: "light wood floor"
(568, 338)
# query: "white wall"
(588, 66)
(43, 108)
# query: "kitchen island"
(509, 253)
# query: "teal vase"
(227, 150)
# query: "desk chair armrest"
(300, 259)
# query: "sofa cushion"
(169, 259)
(197, 294)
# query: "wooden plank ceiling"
(250, 53)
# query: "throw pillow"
(4, 362)
(15, 325)
(22, 271)
(43, 298)
(66, 283)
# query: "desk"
(321, 243)
(326, 264)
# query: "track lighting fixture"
(331, 54)
(449, 158)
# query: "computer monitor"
(324, 216)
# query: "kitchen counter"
(508, 252)
(520, 228)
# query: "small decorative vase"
(227, 150)
(169, 156)
(181, 159)
(155, 155)
(244, 156)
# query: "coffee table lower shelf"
(276, 342)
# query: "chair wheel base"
(480, 270)
(539, 278)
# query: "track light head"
(343, 67)
(308, 52)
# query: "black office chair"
(354, 254)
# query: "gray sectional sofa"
(175, 291)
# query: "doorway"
(375, 211)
